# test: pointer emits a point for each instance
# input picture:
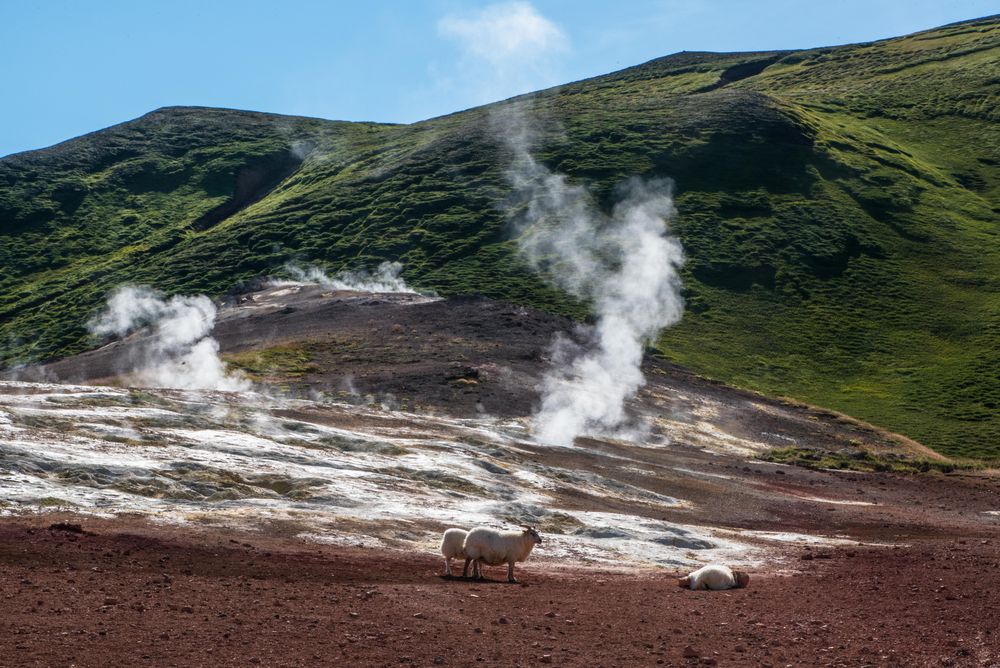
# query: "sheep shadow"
(472, 580)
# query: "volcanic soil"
(127, 592)
(462, 356)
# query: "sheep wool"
(491, 547)
(452, 547)
(713, 576)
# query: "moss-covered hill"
(840, 208)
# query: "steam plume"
(387, 278)
(624, 264)
(179, 353)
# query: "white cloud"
(507, 49)
(505, 32)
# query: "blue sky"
(71, 67)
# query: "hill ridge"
(838, 208)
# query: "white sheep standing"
(491, 547)
(451, 547)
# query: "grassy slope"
(839, 208)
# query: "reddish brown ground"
(136, 594)
(139, 594)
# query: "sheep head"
(531, 533)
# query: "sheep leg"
(447, 566)
(510, 572)
(465, 569)
(477, 570)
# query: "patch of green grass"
(125, 440)
(436, 480)
(53, 502)
(288, 362)
(557, 523)
(866, 461)
(344, 444)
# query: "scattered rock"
(66, 526)
(546, 658)
(690, 652)
(419, 615)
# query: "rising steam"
(178, 351)
(387, 278)
(624, 264)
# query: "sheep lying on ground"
(715, 576)
(492, 547)
(451, 547)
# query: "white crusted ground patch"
(696, 427)
(7, 423)
(607, 537)
(837, 502)
(791, 537)
(341, 473)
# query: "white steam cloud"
(513, 40)
(179, 351)
(624, 264)
(387, 278)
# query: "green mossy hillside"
(839, 207)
